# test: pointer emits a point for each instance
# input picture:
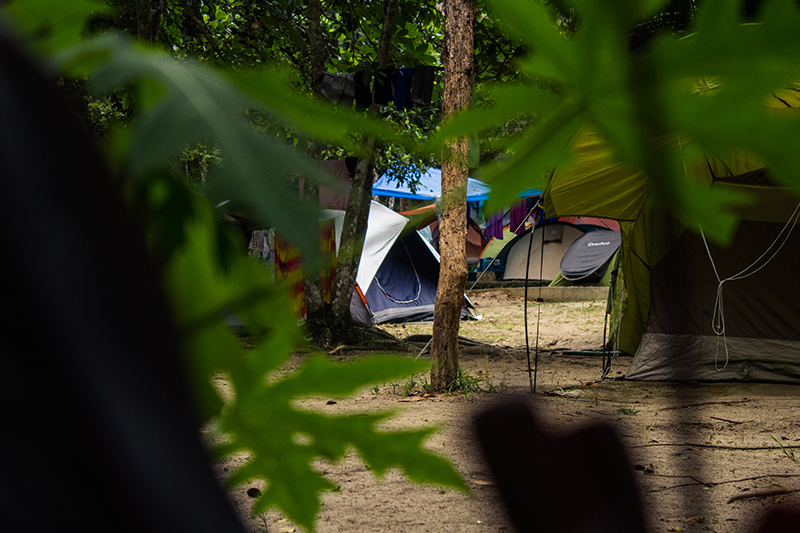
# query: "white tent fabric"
(383, 228)
(557, 239)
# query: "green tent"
(666, 297)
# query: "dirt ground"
(691, 446)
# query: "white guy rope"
(718, 316)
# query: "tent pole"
(530, 211)
(424, 348)
(532, 378)
(525, 313)
(539, 306)
(609, 310)
(605, 367)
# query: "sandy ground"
(691, 447)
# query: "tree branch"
(765, 494)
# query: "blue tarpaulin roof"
(429, 188)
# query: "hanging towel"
(518, 213)
(327, 258)
(422, 86)
(402, 87)
(383, 86)
(338, 88)
(363, 95)
(494, 227)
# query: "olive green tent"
(668, 295)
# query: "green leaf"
(540, 150)
(260, 416)
(532, 22)
(507, 102)
(272, 90)
(266, 408)
(194, 104)
(53, 25)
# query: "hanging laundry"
(288, 271)
(383, 86)
(363, 94)
(518, 214)
(338, 88)
(403, 81)
(422, 86)
(327, 258)
(494, 227)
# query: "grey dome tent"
(587, 260)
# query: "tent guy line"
(718, 315)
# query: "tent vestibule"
(669, 289)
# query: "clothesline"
(407, 87)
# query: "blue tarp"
(429, 188)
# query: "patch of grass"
(411, 385)
(788, 452)
(630, 411)
(468, 384)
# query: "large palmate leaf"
(186, 103)
(750, 63)
(258, 415)
(183, 103)
(53, 26)
(210, 282)
(646, 104)
(281, 441)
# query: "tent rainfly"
(587, 260)
(428, 188)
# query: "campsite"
(692, 446)
(233, 317)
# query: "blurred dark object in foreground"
(575, 483)
(579, 482)
(99, 433)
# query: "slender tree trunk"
(312, 287)
(458, 61)
(354, 228)
(355, 220)
(148, 19)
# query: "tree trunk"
(148, 19)
(355, 219)
(316, 311)
(458, 61)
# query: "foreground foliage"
(707, 90)
(209, 280)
